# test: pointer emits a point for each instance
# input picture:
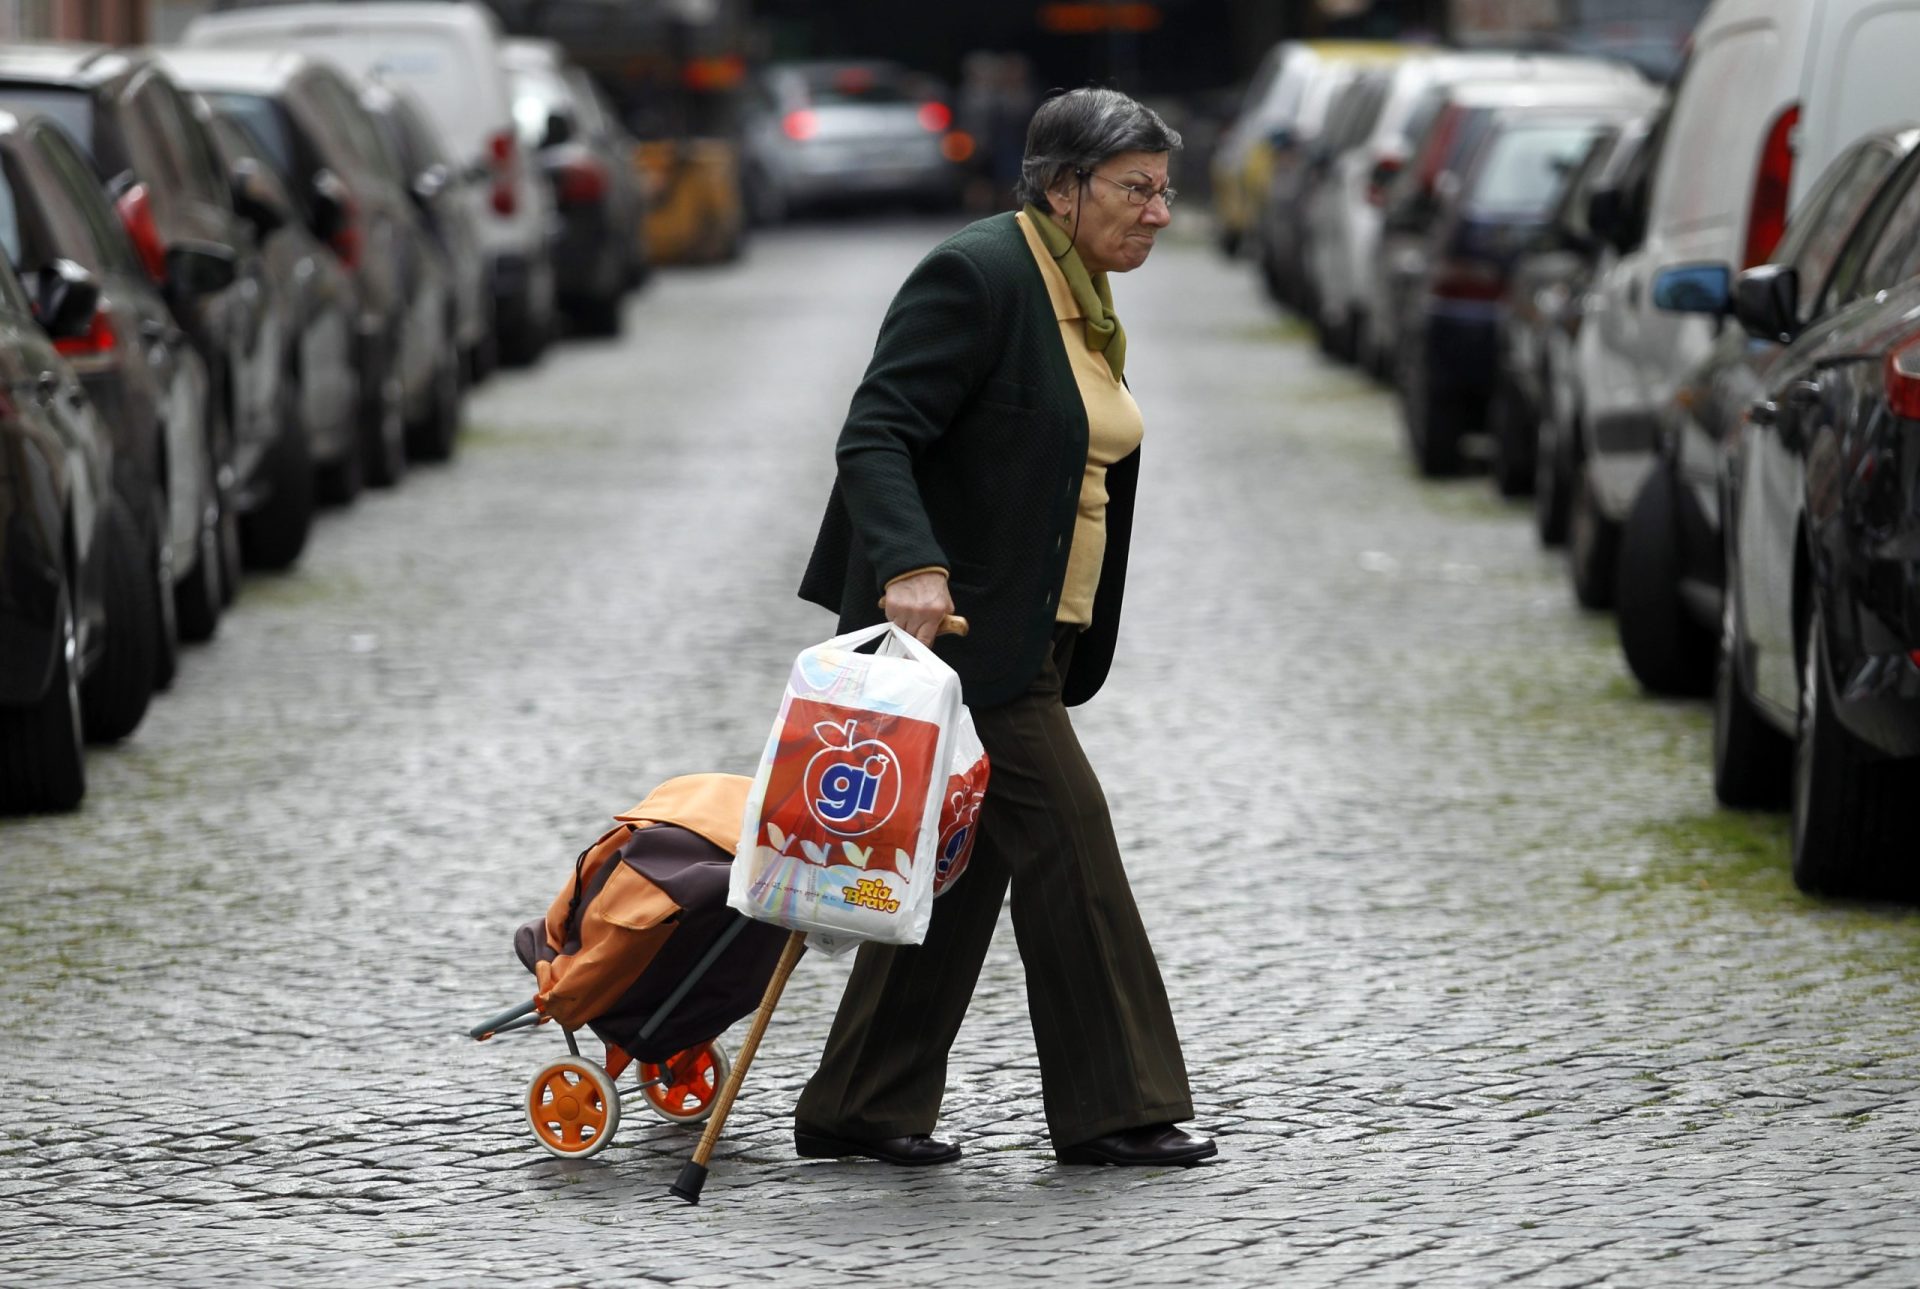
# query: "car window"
(264, 122)
(1570, 213)
(538, 95)
(1525, 168)
(9, 217)
(236, 143)
(1820, 226)
(1896, 255)
(73, 109)
(191, 160)
(596, 114)
(112, 251)
(1878, 226)
(353, 122)
(855, 84)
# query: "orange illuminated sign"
(1085, 19)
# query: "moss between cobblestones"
(1287, 330)
(301, 588)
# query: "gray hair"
(1080, 129)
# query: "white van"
(1773, 91)
(447, 53)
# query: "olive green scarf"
(1105, 335)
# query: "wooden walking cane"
(694, 1175)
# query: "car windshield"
(537, 96)
(1526, 167)
(836, 86)
(73, 109)
(261, 118)
(9, 221)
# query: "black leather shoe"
(915, 1151)
(1159, 1144)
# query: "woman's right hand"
(918, 604)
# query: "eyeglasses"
(1140, 194)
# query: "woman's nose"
(1156, 214)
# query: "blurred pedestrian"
(988, 466)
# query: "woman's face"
(1112, 234)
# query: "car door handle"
(154, 329)
(1803, 394)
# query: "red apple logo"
(852, 786)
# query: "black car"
(587, 159)
(1821, 507)
(1448, 351)
(78, 601)
(308, 118)
(1541, 303)
(144, 142)
(1671, 569)
(316, 306)
(149, 385)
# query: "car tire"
(1849, 807)
(432, 437)
(600, 315)
(1667, 650)
(383, 429)
(1593, 547)
(166, 633)
(274, 535)
(523, 338)
(1433, 422)
(1515, 441)
(198, 601)
(42, 745)
(114, 697)
(1752, 761)
(1552, 486)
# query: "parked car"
(1821, 623)
(314, 296)
(1773, 91)
(818, 132)
(1539, 306)
(443, 194)
(307, 116)
(1243, 159)
(146, 144)
(1447, 355)
(146, 381)
(78, 600)
(589, 161)
(1345, 212)
(1671, 567)
(448, 54)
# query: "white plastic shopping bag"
(842, 829)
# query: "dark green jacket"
(965, 447)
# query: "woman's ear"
(1057, 203)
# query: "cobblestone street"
(1475, 984)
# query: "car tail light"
(135, 209)
(1468, 280)
(1767, 216)
(1900, 372)
(100, 339)
(1914, 657)
(348, 241)
(1382, 175)
(935, 117)
(503, 158)
(800, 125)
(957, 146)
(580, 181)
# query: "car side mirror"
(327, 202)
(65, 297)
(253, 196)
(1694, 288)
(431, 182)
(559, 130)
(201, 268)
(1766, 301)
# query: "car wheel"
(198, 600)
(1515, 443)
(383, 430)
(523, 337)
(114, 698)
(275, 533)
(1848, 809)
(432, 437)
(166, 634)
(1751, 759)
(1551, 488)
(1433, 424)
(42, 747)
(1593, 547)
(600, 315)
(1667, 650)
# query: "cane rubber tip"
(687, 1186)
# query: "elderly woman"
(987, 467)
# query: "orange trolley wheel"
(684, 1087)
(573, 1108)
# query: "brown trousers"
(1109, 1056)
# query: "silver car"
(848, 132)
